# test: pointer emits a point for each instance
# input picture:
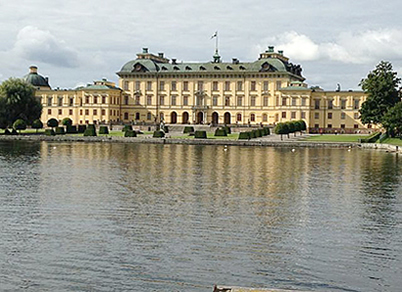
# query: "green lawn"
(336, 138)
(393, 141)
(233, 136)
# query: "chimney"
(280, 52)
(47, 79)
(234, 61)
(270, 49)
(145, 50)
(161, 55)
(174, 61)
(33, 69)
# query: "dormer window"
(242, 68)
(229, 68)
(164, 68)
(202, 68)
(176, 68)
(217, 68)
(188, 68)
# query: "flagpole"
(216, 48)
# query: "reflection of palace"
(153, 88)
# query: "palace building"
(153, 88)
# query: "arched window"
(252, 117)
(264, 118)
(137, 116)
(238, 117)
(126, 116)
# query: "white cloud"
(38, 45)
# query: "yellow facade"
(153, 88)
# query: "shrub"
(129, 133)
(220, 132)
(67, 122)
(158, 134)
(60, 131)
(37, 124)
(72, 130)
(291, 126)
(52, 123)
(81, 128)
(303, 125)
(281, 129)
(257, 133)
(166, 129)
(14, 132)
(267, 131)
(372, 138)
(227, 129)
(91, 126)
(188, 129)
(244, 135)
(7, 132)
(252, 134)
(49, 132)
(19, 125)
(261, 132)
(127, 128)
(90, 131)
(200, 134)
(104, 130)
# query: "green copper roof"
(36, 80)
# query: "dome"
(35, 79)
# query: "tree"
(19, 125)
(37, 124)
(392, 120)
(281, 129)
(18, 101)
(52, 123)
(381, 86)
(66, 122)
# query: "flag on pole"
(214, 35)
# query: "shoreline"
(179, 141)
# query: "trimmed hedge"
(67, 122)
(49, 132)
(267, 131)
(59, 131)
(200, 134)
(103, 130)
(220, 132)
(7, 132)
(71, 130)
(257, 133)
(228, 130)
(252, 134)
(166, 129)
(81, 128)
(90, 132)
(372, 138)
(244, 136)
(158, 134)
(127, 128)
(188, 129)
(14, 132)
(129, 133)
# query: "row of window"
(227, 85)
(86, 111)
(95, 100)
(330, 104)
(330, 115)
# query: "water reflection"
(182, 218)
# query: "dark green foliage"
(59, 131)
(298, 126)
(52, 123)
(257, 133)
(220, 132)
(158, 134)
(127, 128)
(72, 130)
(291, 126)
(49, 132)
(7, 132)
(381, 86)
(372, 138)
(244, 135)
(252, 134)
(281, 129)
(92, 127)
(130, 133)
(90, 131)
(81, 128)
(383, 137)
(18, 101)
(188, 129)
(14, 132)
(303, 125)
(227, 129)
(200, 134)
(103, 130)
(166, 129)
(67, 122)
(261, 132)
(37, 124)
(267, 131)
(19, 125)
(392, 120)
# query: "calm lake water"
(124, 217)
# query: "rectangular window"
(174, 98)
(252, 117)
(329, 116)
(356, 116)
(240, 101)
(80, 112)
(283, 115)
(60, 101)
(49, 111)
(253, 87)
(342, 126)
(283, 101)
(329, 126)
(252, 101)
(278, 85)
(356, 104)
(293, 115)
(162, 100)
(316, 125)
(185, 85)
(293, 101)
(149, 116)
(356, 126)
(95, 99)
(86, 99)
(239, 85)
(330, 104)
(343, 116)
(70, 112)
(149, 99)
(238, 117)
(95, 112)
(149, 85)
(103, 112)
(303, 101)
(200, 85)
(266, 86)
(343, 104)
(227, 85)
(185, 100)
(125, 85)
(60, 112)
(303, 115)
(316, 104)
(227, 101)
(264, 117)
(265, 103)
(137, 85)
(215, 86)
(71, 101)
(162, 85)
(87, 112)
(49, 101)
(316, 116)
(103, 99)
(174, 86)
(215, 101)
(126, 99)
(137, 100)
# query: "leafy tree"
(19, 125)
(67, 122)
(292, 128)
(381, 86)
(281, 129)
(18, 101)
(392, 120)
(37, 124)
(53, 123)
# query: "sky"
(76, 42)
